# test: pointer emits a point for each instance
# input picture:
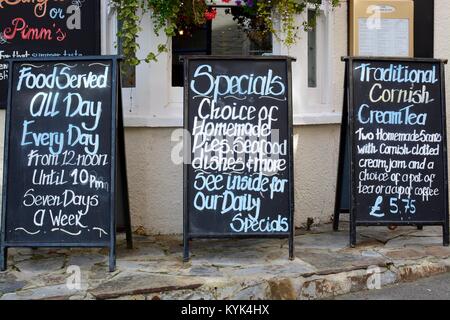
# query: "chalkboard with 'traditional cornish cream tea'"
(396, 121)
(238, 176)
(64, 155)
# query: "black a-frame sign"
(65, 182)
(392, 167)
(271, 189)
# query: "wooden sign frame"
(403, 9)
(187, 235)
(118, 167)
(346, 139)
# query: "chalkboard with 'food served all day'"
(63, 154)
(46, 28)
(396, 119)
(238, 175)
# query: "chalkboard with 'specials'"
(49, 28)
(61, 154)
(397, 126)
(238, 165)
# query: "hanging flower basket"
(255, 17)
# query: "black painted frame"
(187, 235)
(348, 124)
(116, 122)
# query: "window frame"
(314, 106)
(176, 93)
(155, 103)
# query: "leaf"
(151, 57)
(162, 48)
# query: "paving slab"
(414, 241)
(41, 264)
(59, 292)
(324, 266)
(10, 283)
(140, 284)
(329, 240)
(384, 234)
(329, 262)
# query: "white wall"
(442, 37)
(156, 183)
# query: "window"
(221, 36)
(184, 43)
(154, 97)
(312, 54)
(316, 97)
(424, 28)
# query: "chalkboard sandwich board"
(393, 144)
(64, 155)
(238, 163)
(46, 29)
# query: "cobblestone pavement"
(324, 267)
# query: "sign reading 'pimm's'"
(46, 29)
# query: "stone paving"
(230, 269)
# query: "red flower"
(210, 14)
(226, 1)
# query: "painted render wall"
(156, 183)
(442, 44)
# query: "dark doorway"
(424, 28)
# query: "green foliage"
(256, 17)
(284, 11)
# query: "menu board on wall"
(391, 39)
(238, 161)
(381, 28)
(397, 126)
(48, 28)
(61, 154)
